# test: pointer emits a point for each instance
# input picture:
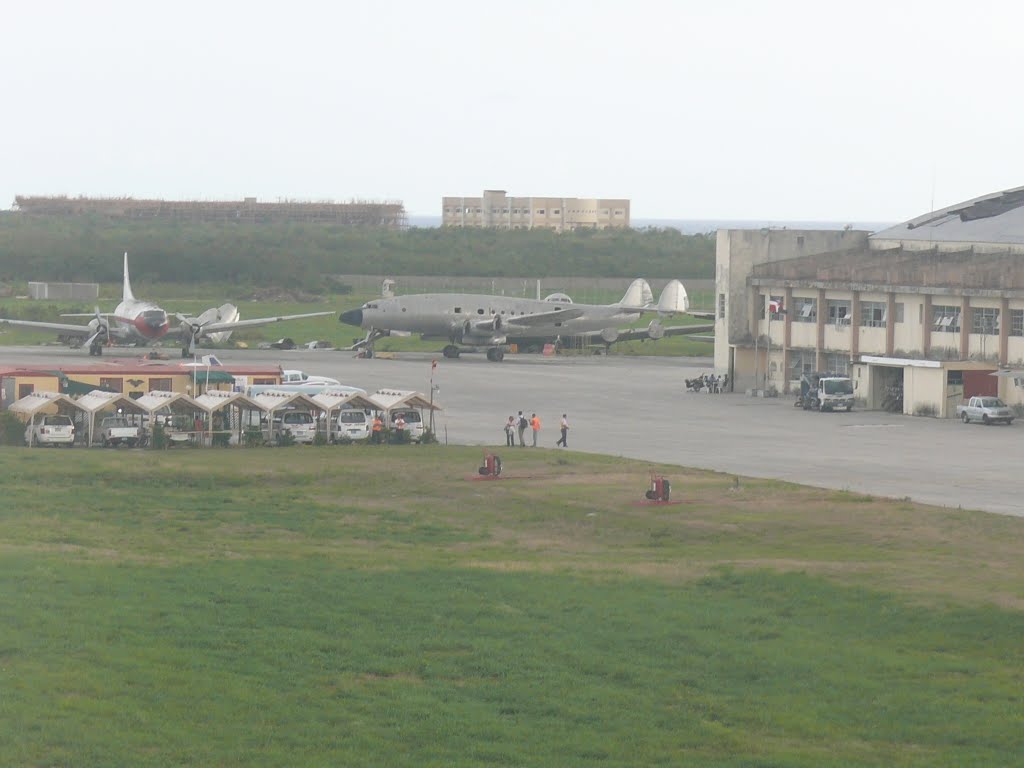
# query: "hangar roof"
(993, 218)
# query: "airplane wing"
(65, 328)
(256, 321)
(544, 318)
(643, 334)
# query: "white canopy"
(98, 400)
(31, 405)
(389, 399)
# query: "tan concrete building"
(562, 214)
(920, 315)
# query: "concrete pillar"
(787, 330)
(1004, 330)
(965, 327)
(890, 323)
(926, 327)
(855, 326)
(819, 343)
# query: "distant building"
(388, 214)
(562, 214)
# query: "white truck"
(987, 410)
(116, 430)
(825, 392)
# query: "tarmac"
(637, 407)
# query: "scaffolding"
(389, 214)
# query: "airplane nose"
(352, 317)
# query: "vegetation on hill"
(299, 255)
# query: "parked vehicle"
(116, 430)
(825, 392)
(987, 410)
(354, 424)
(51, 430)
(301, 424)
(413, 422)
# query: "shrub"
(284, 438)
(221, 439)
(252, 437)
(320, 438)
(158, 439)
(398, 436)
(428, 437)
(12, 430)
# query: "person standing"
(521, 425)
(564, 426)
(510, 431)
(535, 425)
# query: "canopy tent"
(98, 401)
(215, 400)
(173, 403)
(42, 402)
(331, 401)
(271, 402)
(391, 399)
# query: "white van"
(413, 422)
(301, 424)
(354, 424)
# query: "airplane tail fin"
(638, 294)
(127, 294)
(673, 299)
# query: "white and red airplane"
(143, 322)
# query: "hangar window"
(24, 390)
(985, 320)
(805, 310)
(839, 311)
(873, 314)
(112, 384)
(1017, 322)
(160, 385)
(945, 319)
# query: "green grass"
(370, 605)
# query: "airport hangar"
(919, 315)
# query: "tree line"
(298, 255)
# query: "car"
(301, 424)
(354, 424)
(988, 410)
(413, 422)
(51, 430)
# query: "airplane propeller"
(100, 332)
(192, 330)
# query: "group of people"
(708, 383)
(520, 423)
(377, 429)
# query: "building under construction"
(389, 214)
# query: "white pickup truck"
(987, 410)
(115, 430)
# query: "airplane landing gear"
(96, 350)
(495, 354)
(452, 351)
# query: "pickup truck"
(987, 410)
(115, 430)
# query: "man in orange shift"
(535, 425)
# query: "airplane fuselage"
(140, 321)
(483, 319)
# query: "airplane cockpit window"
(479, 311)
(369, 305)
(458, 310)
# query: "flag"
(775, 306)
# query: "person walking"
(521, 425)
(535, 425)
(564, 426)
(510, 431)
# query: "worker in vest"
(535, 426)
(378, 428)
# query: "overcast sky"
(723, 109)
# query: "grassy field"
(373, 605)
(327, 328)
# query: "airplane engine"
(609, 335)
(493, 324)
(99, 334)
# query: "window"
(112, 385)
(1017, 322)
(805, 310)
(839, 311)
(899, 312)
(946, 319)
(838, 363)
(540, 211)
(721, 305)
(801, 362)
(985, 320)
(24, 390)
(160, 385)
(556, 212)
(873, 314)
(776, 303)
(258, 380)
